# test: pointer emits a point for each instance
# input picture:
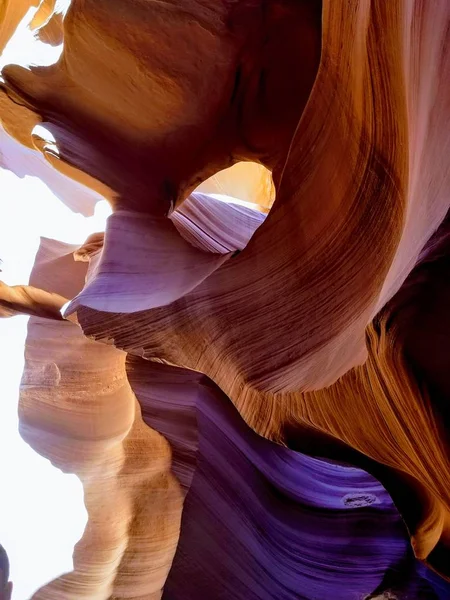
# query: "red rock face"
(324, 321)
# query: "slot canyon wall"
(249, 369)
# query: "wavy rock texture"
(323, 322)
(78, 410)
(260, 520)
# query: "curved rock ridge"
(260, 520)
(77, 409)
(359, 192)
(24, 161)
(25, 299)
(217, 223)
(350, 219)
(198, 238)
(206, 114)
(251, 504)
(324, 321)
(396, 422)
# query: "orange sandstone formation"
(320, 330)
(78, 410)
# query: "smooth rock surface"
(317, 305)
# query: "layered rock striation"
(274, 361)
